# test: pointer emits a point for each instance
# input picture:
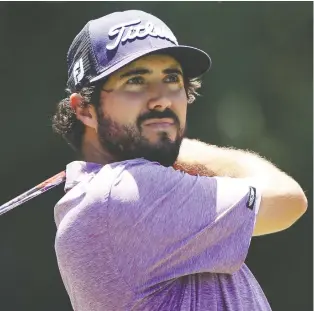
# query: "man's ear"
(85, 113)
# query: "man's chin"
(160, 137)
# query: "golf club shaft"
(33, 192)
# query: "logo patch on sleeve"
(251, 199)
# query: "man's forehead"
(152, 61)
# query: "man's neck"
(92, 151)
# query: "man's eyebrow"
(136, 71)
(173, 70)
(143, 71)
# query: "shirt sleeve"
(165, 224)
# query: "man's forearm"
(283, 197)
(220, 161)
(203, 159)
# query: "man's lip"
(158, 121)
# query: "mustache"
(155, 114)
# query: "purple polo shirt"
(135, 235)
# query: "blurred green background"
(258, 96)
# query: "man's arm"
(283, 201)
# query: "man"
(152, 221)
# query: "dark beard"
(126, 142)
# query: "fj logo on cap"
(132, 30)
(78, 71)
(252, 197)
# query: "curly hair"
(66, 124)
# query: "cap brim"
(194, 62)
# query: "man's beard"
(126, 142)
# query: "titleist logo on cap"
(132, 30)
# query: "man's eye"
(135, 80)
(172, 78)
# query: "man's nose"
(158, 99)
(160, 103)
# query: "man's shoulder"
(132, 163)
(122, 178)
(138, 168)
